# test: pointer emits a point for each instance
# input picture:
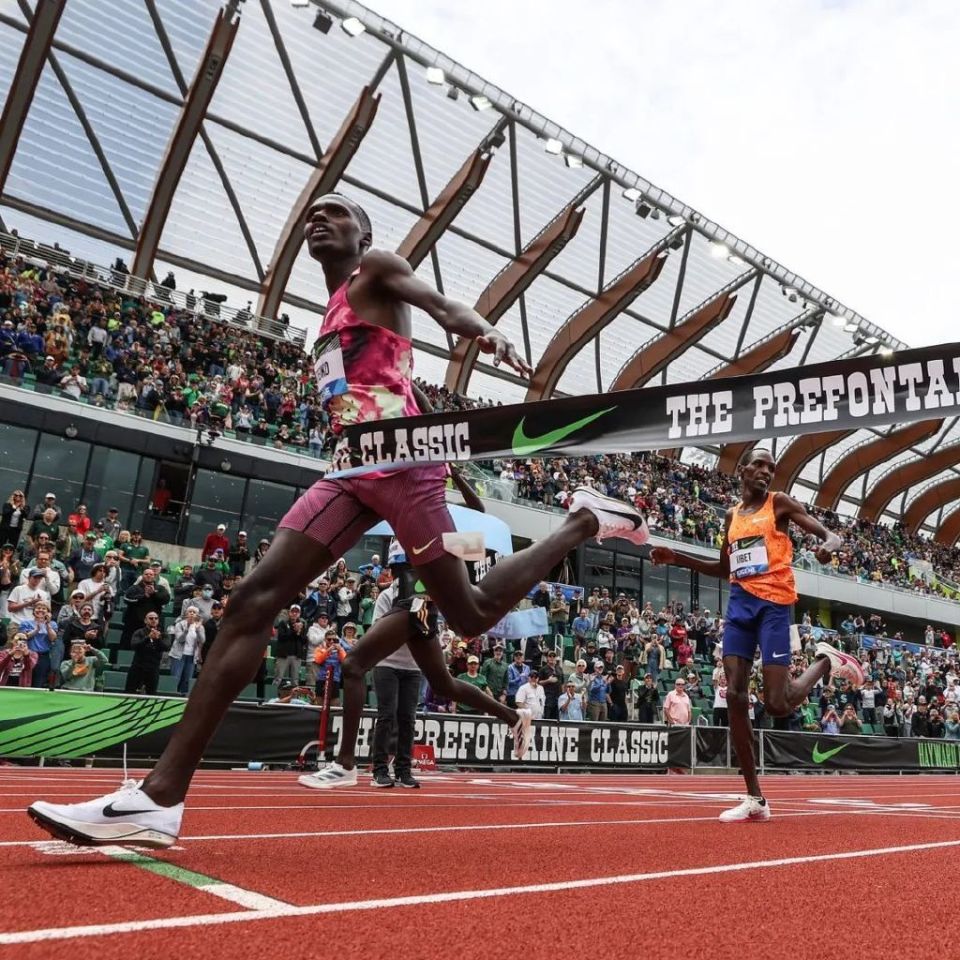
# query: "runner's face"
(757, 474)
(332, 228)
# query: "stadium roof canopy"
(187, 134)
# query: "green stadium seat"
(124, 658)
(249, 692)
(114, 680)
(167, 684)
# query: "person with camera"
(81, 669)
(96, 590)
(328, 659)
(17, 663)
(570, 703)
(149, 645)
(142, 598)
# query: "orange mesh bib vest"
(761, 556)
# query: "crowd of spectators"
(90, 342)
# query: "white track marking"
(136, 926)
(457, 828)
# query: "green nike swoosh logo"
(819, 756)
(524, 445)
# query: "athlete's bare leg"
(738, 710)
(782, 694)
(470, 609)
(383, 638)
(293, 560)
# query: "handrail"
(43, 254)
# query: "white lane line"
(459, 828)
(135, 926)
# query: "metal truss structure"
(192, 134)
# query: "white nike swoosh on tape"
(418, 550)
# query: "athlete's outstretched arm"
(664, 556)
(396, 277)
(792, 510)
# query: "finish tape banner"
(825, 752)
(868, 391)
(64, 724)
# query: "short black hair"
(751, 452)
(362, 216)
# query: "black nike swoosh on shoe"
(108, 811)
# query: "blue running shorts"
(750, 622)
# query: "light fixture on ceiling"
(736, 261)
(718, 249)
(322, 22)
(226, 466)
(836, 320)
(453, 93)
(677, 242)
(436, 76)
(480, 102)
(299, 3)
(552, 145)
(655, 213)
(573, 161)
(352, 26)
(632, 194)
(788, 292)
(886, 350)
(71, 432)
(851, 326)
(642, 209)
(675, 220)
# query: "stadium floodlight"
(886, 350)
(836, 320)
(322, 22)
(453, 93)
(436, 75)
(572, 161)
(632, 194)
(299, 3)
(718, 249)
(675, 220)
(552, 145)
(788, 292)
(353, 26)
(735, 260)
(851, 326)
(480, 102)
(642, 209)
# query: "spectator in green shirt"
(80, 672)
(472, 676)
(494, 672)
(134, 559)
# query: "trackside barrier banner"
(810, 751)
(65, 724)
(867, 391)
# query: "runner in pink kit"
(363, 363)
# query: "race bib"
(328, 367)
(748, 557)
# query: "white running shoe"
(841, 664)
(126, 816)
(332, 775)
(522, 732)
(750, 808)
(616, 518)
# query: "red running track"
(487, 866)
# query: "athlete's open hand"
(662, 556)
(503, 352)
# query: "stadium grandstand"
(158, 414)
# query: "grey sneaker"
(382, 779)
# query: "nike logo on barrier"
(819, 756)
(108, 811)
(524, 445)
(418, 550)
